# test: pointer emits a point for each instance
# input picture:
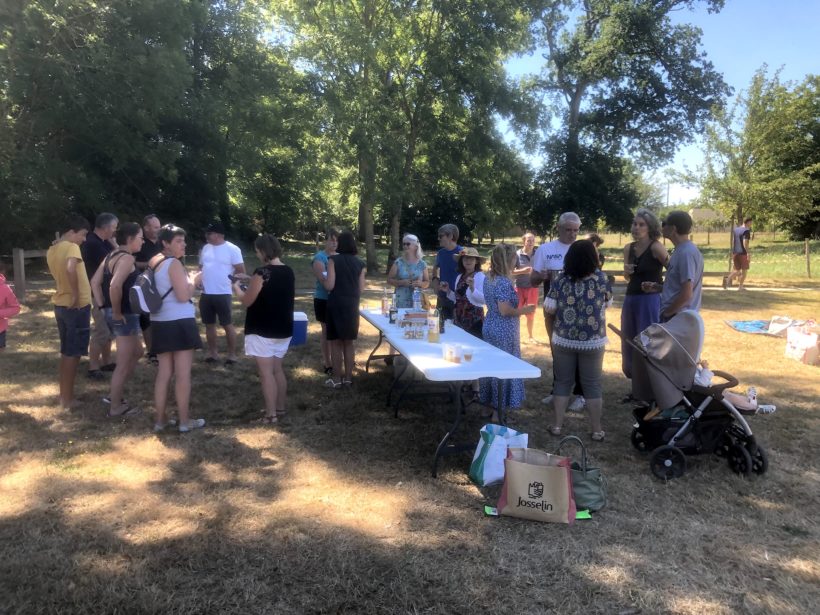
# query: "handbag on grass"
(487, 467)
(588, 484)
(537, 486)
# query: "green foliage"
(763, 156)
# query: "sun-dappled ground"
(334, 510)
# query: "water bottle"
(416, 298)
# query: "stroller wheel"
(740, 461)
(726, 442)
(638, 441)
(760, 460)
(667, 462)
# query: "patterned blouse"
(580, 311)
(407, 271)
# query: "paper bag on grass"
(537, 486)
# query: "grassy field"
(334, 510)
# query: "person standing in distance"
(319, 266)
(444, 269)
(150, 248)
(218, 260)
(741, 235)
(547, 264)
(526, 291)
(72, 302)
(99, 244)
(684, 276)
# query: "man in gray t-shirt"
(682, 288)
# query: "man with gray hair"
(547, 263)
(99, 244)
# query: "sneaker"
(751, 393)
(766, 409)
(159, 427)
(547, 400)
(578, 404)
(191, 425)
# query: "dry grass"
(335, 510)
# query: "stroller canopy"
(666, 367)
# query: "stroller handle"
(730, 383)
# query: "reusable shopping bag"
(537, 486)
(801, 344)
(588, 484)
(487, 467)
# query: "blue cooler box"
(300, 323)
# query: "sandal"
(598, 436)
(332, 385)
(347, 383)
(267, 420)
(554, 430)
(129, 411)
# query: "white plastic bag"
(487, 467)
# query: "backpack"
(143, 295)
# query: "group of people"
(94, 271)
(488, 304)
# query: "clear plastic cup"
(468, 354)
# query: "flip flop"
(267, 420)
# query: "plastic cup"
(468, 354)
(458, 353)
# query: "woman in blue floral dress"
(578, 299)
(501, 325)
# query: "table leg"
(445, 447)
(395, 384)
(373, 353)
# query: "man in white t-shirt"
(218, 260)
(547, 263)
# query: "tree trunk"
(367, 191)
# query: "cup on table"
(447, 352)
(467, 352)
(458, 353)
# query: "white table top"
(488, 361)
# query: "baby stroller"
(689, 419)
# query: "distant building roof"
(704, 214)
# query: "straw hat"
(469, 252)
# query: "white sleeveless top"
(172, 308)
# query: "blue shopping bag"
(487, 467)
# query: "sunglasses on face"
(406, 244)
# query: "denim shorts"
(2, 339)
(129, 325)
(74, 325)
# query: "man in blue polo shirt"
(445, 268)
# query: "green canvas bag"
(588, 484)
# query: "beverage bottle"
(393, 313)
(385, 302)
(432, 328)
(440, 321)
(416, 298)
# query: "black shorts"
(212, 307)
(2, 339)
(343, 319)
(145, 321)
(174, 335)
(320, 309)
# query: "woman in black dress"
(344, 283)
(269, 298)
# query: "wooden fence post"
(808, 259)
(19, 258)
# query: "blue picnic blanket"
(749, 326)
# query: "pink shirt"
(8, 304)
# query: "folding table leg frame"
(373, 354)
(446, 447)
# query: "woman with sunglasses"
(409, 271)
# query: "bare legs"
(326, 360)
(178, 365)
(230, 338)
(68, 374)
(274, 384)
(129, 351)
(343, 350)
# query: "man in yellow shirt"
(72, 302)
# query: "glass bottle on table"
(385, 302)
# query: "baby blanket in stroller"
(673, 348)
